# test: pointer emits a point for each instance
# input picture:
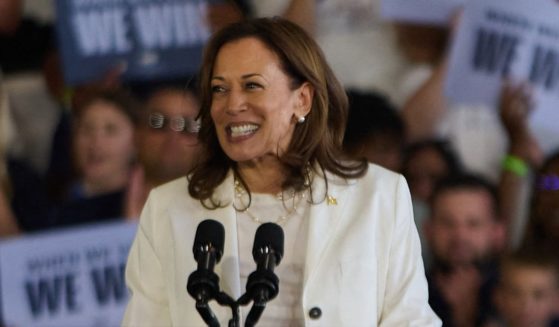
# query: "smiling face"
(254, 106)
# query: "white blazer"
(363, 257)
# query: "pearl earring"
(301, 119)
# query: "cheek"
(127, 145)
(215, 111)
(149, 142)
(80, 146)
(441, 237)
(281, 121)
(122, 145)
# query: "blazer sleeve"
(148, 304)
(406, 298)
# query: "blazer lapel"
(323, 219)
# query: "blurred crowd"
(485, 196)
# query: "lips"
(242, 130)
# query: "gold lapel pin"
(330, 200)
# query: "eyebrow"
(243, 76)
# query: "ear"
(305, 96)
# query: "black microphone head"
(212, 233)
(268, 235)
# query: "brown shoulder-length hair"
(315, 143)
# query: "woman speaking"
(272, 121)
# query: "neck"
(152, 180)
(263, 177)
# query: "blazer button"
(315, 313)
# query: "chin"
(238, 156)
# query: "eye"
(218, 89)
(252, 85)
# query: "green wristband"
(515, 165)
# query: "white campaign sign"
(70, 277)
(437, 12)
(517, 39)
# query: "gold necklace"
(295, 197)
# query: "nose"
(236, 102)
(94, 138)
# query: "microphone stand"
(256, 310)
(258, 306)
(262, 284)
(206, 313)
(224, 299)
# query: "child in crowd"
(528, 290)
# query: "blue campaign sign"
(148, 38)
(69, 277)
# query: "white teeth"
(242, 130)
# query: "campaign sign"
(433, 12)
(148, 38)
(514, 39)
(72, 277)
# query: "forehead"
(525, 272)
(473, 202)
(173, 102)
(102, 108)
(244, 55)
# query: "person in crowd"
(427, 162)
(465, 236)
(473, 129)
(424, 164)
(167, 142)
(26, 44)
(272, 122)
(527, 293)
(374, 130)
(103, 152)
(524, 156)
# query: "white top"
(362, 257)
(284, 309)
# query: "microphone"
(203, 283)
(263, 285)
